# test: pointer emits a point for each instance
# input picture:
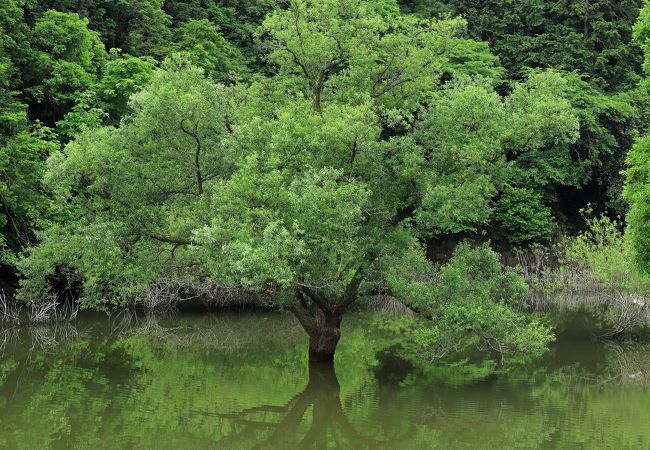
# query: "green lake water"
(241, 380)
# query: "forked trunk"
(323, 339)
(321, 319)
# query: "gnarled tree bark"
(321, 317)
(324, 339)
(322, 325)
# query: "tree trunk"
(586, 21)
(321, 319)
(323, 339)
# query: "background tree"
(12, 111)
(66, 61)
(22, 199)
(593, 40)
(543, 125)
(593, 37)
(637, 188)
(23, 148)
(237, 20)
(122, 76)
(139, 27)
(206, 47)
(142, 27)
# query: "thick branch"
(316, 297)
(296, 22)
(350, 294)
(197, 153)
(382, 76)
(397, 80)
(353, 156)
(392, 85)
(317, 90)
(170, 239)
(296, 60)
(304, 316)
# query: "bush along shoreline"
(590, 272)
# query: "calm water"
(242, 381)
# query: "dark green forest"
(317, 152)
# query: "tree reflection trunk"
(324, 390)
(329, 426)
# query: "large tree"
(291, 186)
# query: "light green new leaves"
(353, 52)
(637, 186)
(122, 76)
(127, 198)
(542, 127)
(270, 229)
(522, 216)
(462, 138)
(469, 304)
(642, 33)
(541, 115)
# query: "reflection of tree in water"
(40, 337)
(329, 424)
(629, 363)
(181, 382)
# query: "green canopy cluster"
(307, 151)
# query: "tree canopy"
(310, 200)
(312, 151)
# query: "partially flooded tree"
(289, 186)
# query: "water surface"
(242, 381)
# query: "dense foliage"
(309, 151)
(592, 37)
(637, 189)
(55, 70)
